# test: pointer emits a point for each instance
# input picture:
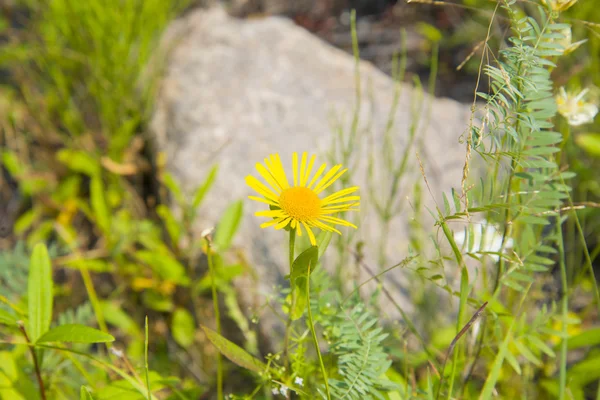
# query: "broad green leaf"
(299, 280)
(585, 371)
(233, 352)
(589, 142)
(204, 188)
(323, 239)
(183, 327)
(7, 318)
(228, 225)
(85, 394)
(39, 292)
(591, 337)
(99, 206)
(75, 333)
(79, 161)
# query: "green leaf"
(323, 239)
(173, 228)
(305, 262)
(590, 337)
(39, 292)
(183, 327)
(115, 315)
(174, 188)
(7, 318)
(75, 333)
(233, 352)
(165, 265)
(528, 354)
(228, 225)
(589, 142)
(84, 394)
(99, 206)
(202, 190)
(79, 161)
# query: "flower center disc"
(300, 203)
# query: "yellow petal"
(311, 235)
(337, 221)
(283, 223)
(304, 179)
(270, 223)
(327, 177)
(270, 213)
(295, 168)
(317, 175)
(263, 200)
(325, 227)
(267, 176)
(302, 168)
(325, 185)
(261, 188)
(340, 193)
(340, 200)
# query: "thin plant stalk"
(311, 325)
(146, 341)
(215, 299)
(36, 365)
(288, 324)
(562, 377)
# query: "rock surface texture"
(236, 91)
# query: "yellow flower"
(299, 205)
(559, 5)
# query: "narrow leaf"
(228, 225)
(233, 352)
(75, 333)
(202, 190)
(39, 292)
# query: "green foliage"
(130, 259)
(357, 343)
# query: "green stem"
(36, 365)
(215, 299)
(146, 340)
(564, 311)
(311, 325)
(288, 324)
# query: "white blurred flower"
(299, 381)
(486, 238)
(283, 390)
(574, 109)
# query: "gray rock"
(236, 91)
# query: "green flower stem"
(286, 339)
(311, 325)
(215, 298)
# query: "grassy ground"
(106, 293)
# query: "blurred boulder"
(236, 91)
